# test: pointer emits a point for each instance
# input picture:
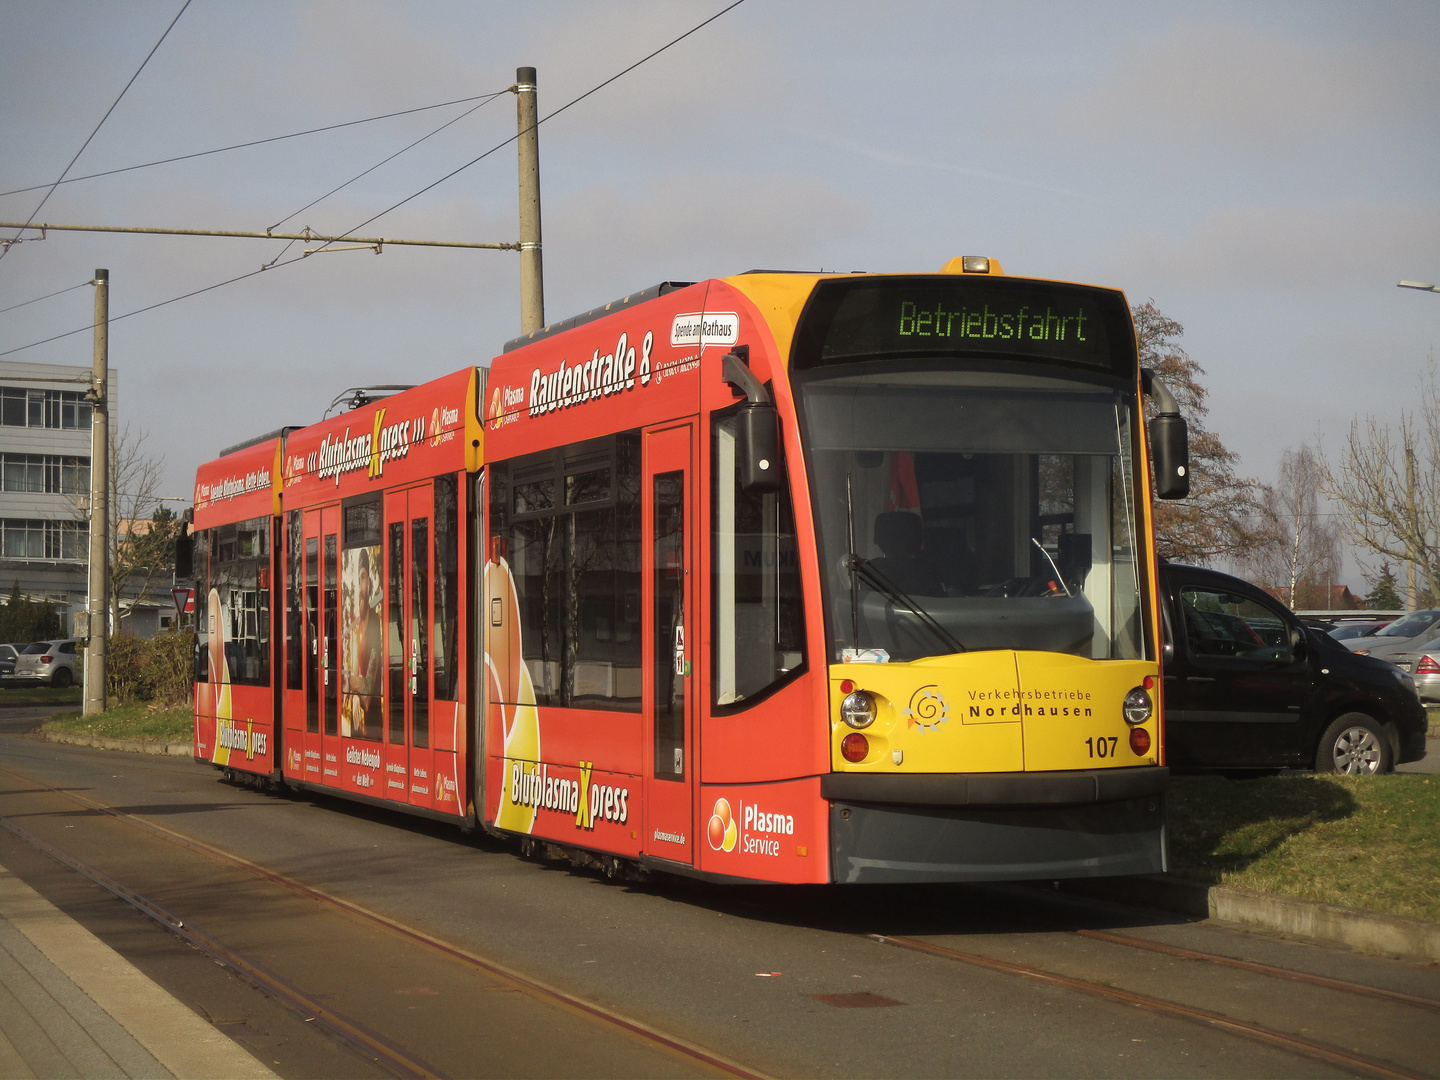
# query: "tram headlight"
(1138, 706)
(858, 709)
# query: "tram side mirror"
(758, 451)
(759, 448)
(1169, 441)
(184, 552)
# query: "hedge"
(157, 671)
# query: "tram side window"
(294, 599)
(240, 576)
(200, 559)
(571, 522)
(446, 609)
(758, 608)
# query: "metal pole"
(97, 604)
(532, 284)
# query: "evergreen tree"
(1385, 596)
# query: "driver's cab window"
(1225, 624)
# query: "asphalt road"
(772, 978)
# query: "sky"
(1265, 173)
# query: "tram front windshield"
(969, 510)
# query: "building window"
(64, 409)
(52, 474)
(24, 538)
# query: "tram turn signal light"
(1138, 706)
(858, 709)
(854, 747)
(1139, 741)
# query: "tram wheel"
(527, 847)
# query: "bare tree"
(1216, 521)
(141, 532)
(1387, 480)
(1298, 552)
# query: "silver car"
(1423, 663)
(49, 662)
(1413, 629)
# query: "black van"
(1247, 686)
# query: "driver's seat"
(901, 536)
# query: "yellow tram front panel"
(993, 711)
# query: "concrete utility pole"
(532, 283)
(97, 606)
(1412, 526)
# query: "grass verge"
(14, 694)
(129, 722)
(1365, 842)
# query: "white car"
(49, 662)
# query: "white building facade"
(45, 455)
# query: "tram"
(781, 577)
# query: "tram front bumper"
(996, 826)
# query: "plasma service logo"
(505, 405)
(722, 831)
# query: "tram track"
(1261, 969)
(1331, 1055)
(342, 1027)
(397, 1060)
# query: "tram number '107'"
(1103, 746)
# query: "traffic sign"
(184, 601)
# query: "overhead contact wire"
(5, 249)
(47, 296)
(402, 202)
(552, 115)
(258, 142)
(389, 159)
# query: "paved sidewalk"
(70, 1006)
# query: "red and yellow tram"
(779, 577)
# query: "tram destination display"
(875, 319)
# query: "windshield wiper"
(902, 600)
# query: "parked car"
(1425, 669)
(1249, 687)
(8, 653)
(1420, 661)
(1414, 628)
(51, 662)
(1351, 630)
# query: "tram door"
(669, 705)
(408, 544)
(322, 644)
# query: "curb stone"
(1368, 931)
(134, 746)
